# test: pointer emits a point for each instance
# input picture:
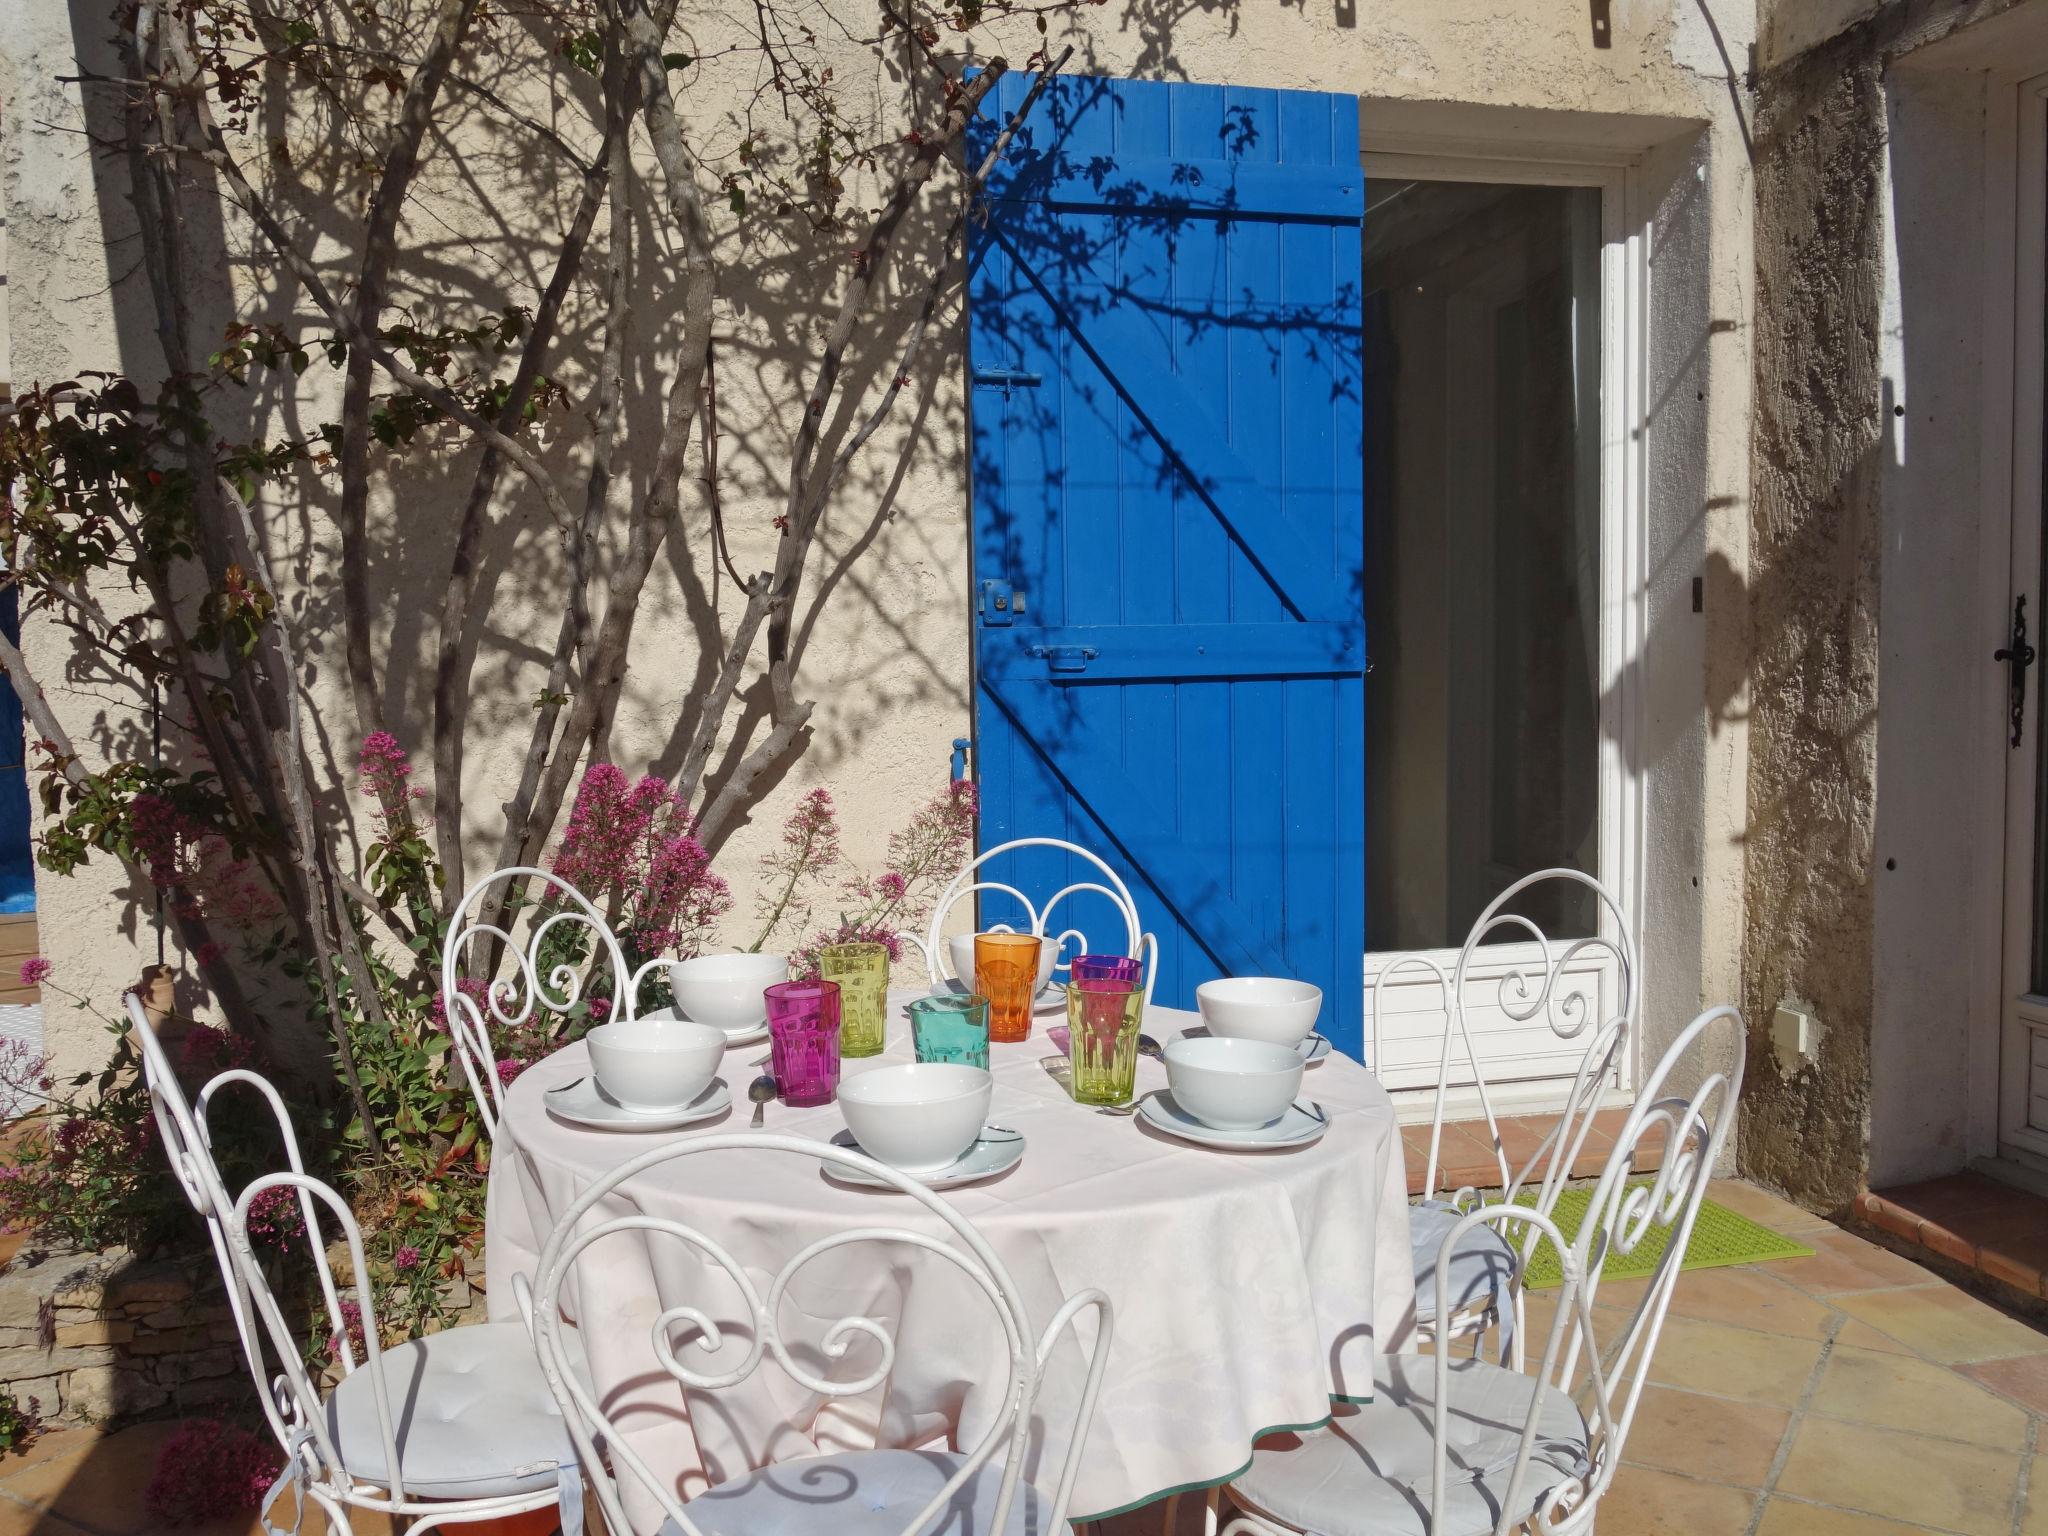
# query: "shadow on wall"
(880, 613)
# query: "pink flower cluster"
(209, 1049)
(634, 849)
(208, 1471)
(386, 770)
(352, 1325)
(275, 1219)
(35, 970)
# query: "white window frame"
(1624, 296)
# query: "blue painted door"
(1165, 347)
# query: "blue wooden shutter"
(1165, 346)
(17, 850)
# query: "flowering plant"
(208, 1470)
(808, 871)
(633, 850)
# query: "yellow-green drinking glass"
(862, 971)
(1103, 1016)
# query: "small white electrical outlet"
(1795, 1038)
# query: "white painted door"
(2023, 1036)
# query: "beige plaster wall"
(888, 660)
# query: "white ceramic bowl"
(963, 959)
(726, 989)
(1233, 1085)
(655, 1063)
(1269, 1008)
(917, 1117)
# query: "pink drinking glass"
(803, 1040)
(1105, 968)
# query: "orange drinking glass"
(1006, 973)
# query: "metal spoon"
(1147, 1046)
(761, 1090)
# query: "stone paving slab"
(1851, 1394)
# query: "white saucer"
(1297, 1128)
(745, 1036)
(995, 1152)
(584, 1103)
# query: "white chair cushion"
(868, 1493)
(1482, 1265)
(1369, 1472)
(470, 1410)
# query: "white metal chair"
(513, 1000)
(1457, 1447)
(1486, 1269)
(473, 1435)
(976, 1491)
(1139, 945)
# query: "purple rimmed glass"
(1105, 968)
(803, 1040)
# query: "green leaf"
(677, 60)
(738, 199)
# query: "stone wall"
(100, 1337)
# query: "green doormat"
(1719, 1237)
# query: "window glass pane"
(1482, 552)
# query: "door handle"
(1064, 658)
(2017, 656)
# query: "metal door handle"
(1064, 658)
(2017, 655)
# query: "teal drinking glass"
(951, 1028)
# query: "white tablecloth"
(1249, 1288)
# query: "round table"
(1250, 1288)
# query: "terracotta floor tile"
(1954, 1194)
(1643, 1502)
(1902, 1392)
(1843, 1261)
(27, 1520)
(1944, 1323)
(99, 1486)
(2024, 1379)
(1733, 1362)
(1789, 1517)
(1857, 1335)
(1765, 1208)
(51, 1443)
(1705, 1437)
(1965, 1488)
(1749, 1297)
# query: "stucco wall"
(888, 659)
(1868, 826)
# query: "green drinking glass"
(1103, 1016)
(951, 1028)
(862, 971)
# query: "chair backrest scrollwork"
(1563, 992)
(534, 984)
(1138, 944)
(688, 1324)
(1689, 1130)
